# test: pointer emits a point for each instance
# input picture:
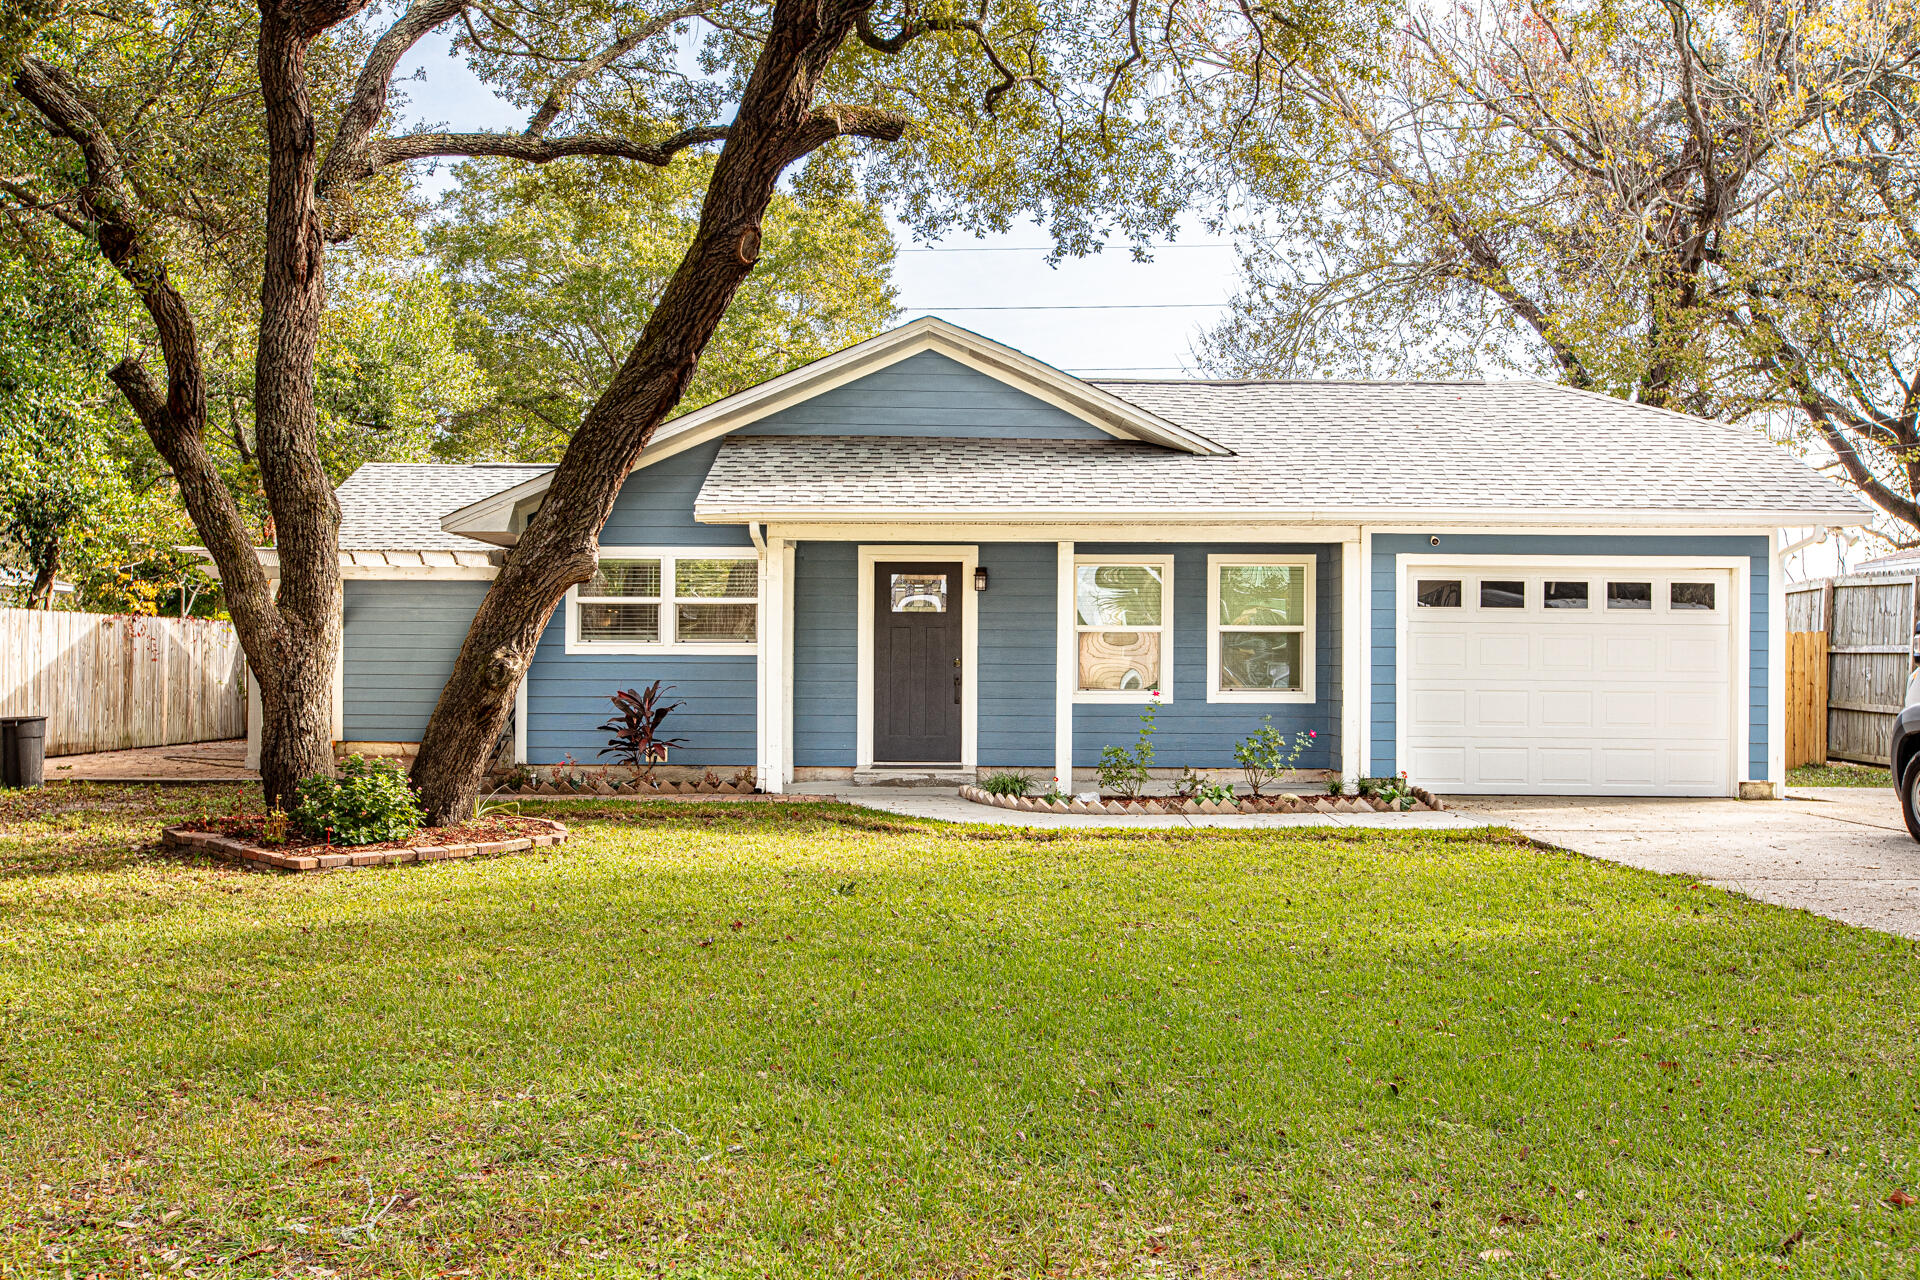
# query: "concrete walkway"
(1840, 852)
(224, 761)
(943, 804)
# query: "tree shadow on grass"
(68, 827)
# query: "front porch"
(994, 663)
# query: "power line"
(1047, 248)
(1085, 306)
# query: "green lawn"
(796, 1041)
(1838, 774)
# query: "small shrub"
(1215, 793)
(637, 741)
(1264, 756)
(370, 801)
(1122, 770)
(1007, 784)
(1397, 792)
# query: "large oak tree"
(209, 127)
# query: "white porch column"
(771, 764)
(1353, 625)
(1066, 671)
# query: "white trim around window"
(1304, 629)
(1070, 623)
(668, 645)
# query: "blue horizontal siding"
(400, 641)
(1388, 547)
(655, 506)
(925, 395)
(1017, 654)
(825, 653)
(568, 699)
(1189, 730)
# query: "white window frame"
(669, 645)
(1309, 669)
(1071, 623)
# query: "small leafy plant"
(273, 827)
(1123, 770)
(1007, 784)
(635, 726)
(1202, 790)
(368, 802)
(1265, 755)
(1397, 792)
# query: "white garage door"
(1568, 680)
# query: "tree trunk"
(40, 594)
(774, 127)
(297, 715)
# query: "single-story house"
(932, 553)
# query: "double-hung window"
(1259, 628)
(656, 601)
(1123, 627)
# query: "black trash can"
(23, 750)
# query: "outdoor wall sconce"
(980, 578)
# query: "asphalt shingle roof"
(1300, 450)
(396, 506)
(1304, 448)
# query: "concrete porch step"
(911, 776)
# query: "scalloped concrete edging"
(1156, 806)
(590, 786)
(232, 850)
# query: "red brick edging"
(232, 850)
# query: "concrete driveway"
(1837, 851)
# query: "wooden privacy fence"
(1865, 625)
(109, 681)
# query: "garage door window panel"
(1499, 593)
(1629, 595)
(1438, 593)
(1260, 629)
(1566, 595)
(1691, 597)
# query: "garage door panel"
(1445, 766)
(1440, 650)
(1501, 766)
(1566, 655)
(1571, 701)
(1634, 712)
(1704, 768)
(1628, 766)
(1440, 708)
(1566, 708)
(1629, 657)
(1501, 709)
(1567, 767)
(1502, 653)
(1702, 656)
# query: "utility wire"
(1085, 306)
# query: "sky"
(1103, 315)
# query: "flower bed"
(1424, 802)
(241, 839)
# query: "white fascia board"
(1459, 521)
(1099, 408)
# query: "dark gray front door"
(916, 663)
